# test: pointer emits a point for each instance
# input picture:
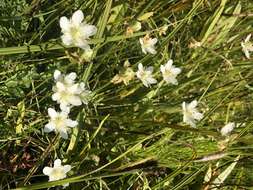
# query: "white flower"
(76, 31)
(68, 93)
(57, 172)
(148, 44)
(145, 75)
(59, 122)
(170, 72)
(227, 129)
(247, 46)
(191, 113)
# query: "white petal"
(152, 81)
(138, 74)
(67, 168)
(192, 123)
(65, 108)
(140, 67)
(57, 163)
(56, 96)
(250, 48)
(197, 115)
(71, 123)
(77, 17)
(151, 50)
(143, 49)
(248, 38)
(228, 128)
(57, 74)
(153, 41)
(174, 81)
(67, 39)
(141, 41)
(47, 171)
(82, 43)
(162, 69)
(49, 127)
(171, 80)
(176, 71)
(243, 46)
(88, 30)
(184, 106)
(145, 83)
(170, 62)
(185, 118)
(193, 104)
(74, 89)
(65, 112)
(64, 23)
(52, 113)
(64, 134)
(60, 86)
(168, 67)
(82, 85)
(75, 100)
(246, 52)
(70, 77)
(189, 121)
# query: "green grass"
(128, 137)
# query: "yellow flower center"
(58, 173)
(143, 75)
(168, 73)
(65, 96)
(59, 122)
(75, 32)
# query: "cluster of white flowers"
(169, 73)
(66, 92)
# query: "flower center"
(144, 75)
(59, 122)
(146, 41)
(65, 96)
(188, 112)
(75, 32)
(58, 173)
(168, 73)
